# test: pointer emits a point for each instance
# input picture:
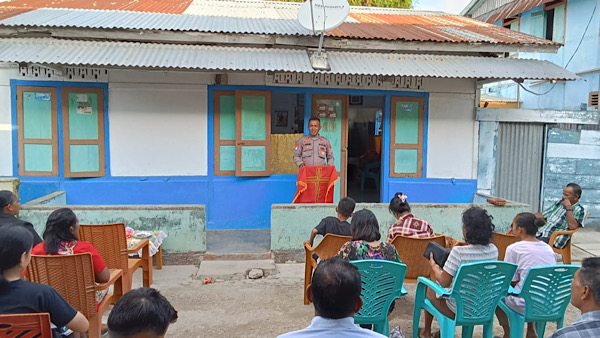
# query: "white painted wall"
(453, 133)
(158, 129)
(5, 121)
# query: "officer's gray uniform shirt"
(313, 151)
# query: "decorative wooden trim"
(67, 142)
(21, 141)
(342, 174)
(418, 146)
(239, 143)
(217, 142)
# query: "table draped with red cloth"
(315, 184)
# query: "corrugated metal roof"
(362, 24)
(506, 10)
(129, 54)
(153, 6)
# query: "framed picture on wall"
(281, 118)
(356, 100)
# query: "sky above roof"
(449, 6)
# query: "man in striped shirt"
(566, 214)
(585, 295)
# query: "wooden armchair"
(73, 277)
(110, 240)
(25, 325)
(410, 250)
(502, 241)
(328, 247)
(566, 251)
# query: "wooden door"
(332, 110)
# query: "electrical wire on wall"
(570, 59)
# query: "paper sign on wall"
(42, 96)
(84, 110)
(82, 98)
(407, 107)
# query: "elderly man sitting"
(335, 291)
(566, 214)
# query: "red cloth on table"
(315, 184)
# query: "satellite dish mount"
(320, 16)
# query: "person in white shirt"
(529, 252)
(335, 293)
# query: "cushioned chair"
(371, 170)
(110, 240)
(477, 289)
(502, 241)
(381, 284)
(411, 252)
(547, 292)
(328, 247)
(73, 277)
(25, 325)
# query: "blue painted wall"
(232, 202)
(571, 94)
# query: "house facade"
(571, 150)
(202, 104)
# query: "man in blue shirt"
(585, 295)
(335, 292)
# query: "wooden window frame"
(238, 133)
(418, 146)
(67, 142)
(21, 136)
(217, 133)
(551, 5)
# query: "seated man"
(141, 313)
(335, 225)
(585, 295)
(335, 292)
(566, 214)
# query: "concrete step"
(228, 270)
(238, 241)
(241, 256)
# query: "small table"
(155, 245)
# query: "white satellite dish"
(323, 15)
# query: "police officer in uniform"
(313, 149)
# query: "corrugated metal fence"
(519, 162)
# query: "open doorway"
(365, 117)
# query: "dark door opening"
(365, 116)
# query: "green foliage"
(373, 3)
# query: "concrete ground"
(234, 306)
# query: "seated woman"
(408, 225)
(61, 238)
(477, 232)
(529, 252)
(365, 242)
(19, 296)
(9, 210)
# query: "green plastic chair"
(477, 290)
(547, 293)
(381, 284)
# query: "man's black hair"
(364, 226)
(346, 206)
(141, 310)
(336, 287)
(590, 275)
(314, 118)
(478, 226)
(576, 189)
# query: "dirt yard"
(265, 307)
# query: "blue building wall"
(572, 94)
(231, 202)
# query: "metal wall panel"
(520, 151)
